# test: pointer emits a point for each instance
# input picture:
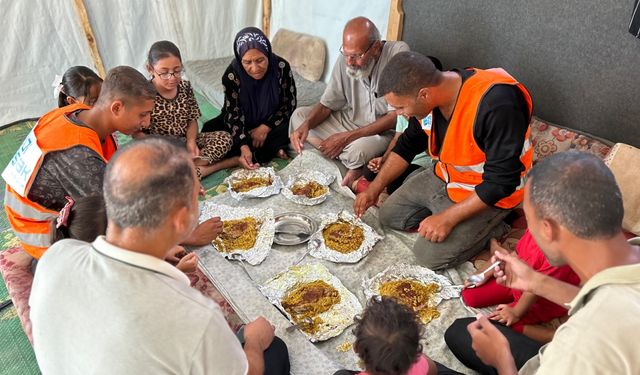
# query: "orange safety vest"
(34, 224)
(460, 162)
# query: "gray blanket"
(324, 357)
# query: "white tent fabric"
(42, 38)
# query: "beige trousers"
(358, 152)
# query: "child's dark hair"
(126, 84)
(76, 82)
(87, 220)
(387, 337)
(162, 49)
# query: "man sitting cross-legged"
(351, 122)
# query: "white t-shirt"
(100, 309)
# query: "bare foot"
(206, 170)
(350, 176)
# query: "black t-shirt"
(501, 125)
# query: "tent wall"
(326, 19)
(42, 38)
(39, 39)
(577, 57)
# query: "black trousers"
(277, 139)
(370, 175)
(459, 341)
(276, 358)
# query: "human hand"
(259, 135)
(436, 227)
(259, 332)
(491, 346)
(506, 315)
(334, 144)
(364, 200)
(205, 232)
(193, 149)
(188, 263)
(246, 158)
(298, 137)
(175, 253)
(513, 272)
(375, 164)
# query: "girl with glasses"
(176, 110)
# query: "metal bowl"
(293, 228)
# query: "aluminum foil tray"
(264, 240)
(260, 192)
(336, 319)
(319, 250)
(304, 177)
(412, 272)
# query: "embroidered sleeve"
(287, 96)
(233, 116)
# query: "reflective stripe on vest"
(24, 210)
(460, 161)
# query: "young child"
(85, 219)
(523, 312)
(388, 341)
(79, 84)
(176, 111)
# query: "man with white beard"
(351, 122)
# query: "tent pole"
(266, 17)
(88, 32)
(396, 20)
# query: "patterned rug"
(16, 354)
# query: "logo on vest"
(22, 165)
(426, 122)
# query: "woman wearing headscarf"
(260, 96)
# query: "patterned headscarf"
(259, 99)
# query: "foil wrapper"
(260, 192)
(318, 249)
(412, 272)
(336, 319)
(303, 178)
(264, 240)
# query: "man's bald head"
(146, 181)
(360, 31)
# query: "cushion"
(15, 266)
(305, 53)
(548, 138)
(621, 160)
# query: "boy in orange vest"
(475, 126)
(66, 153)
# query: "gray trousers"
(358, 152)
(423, 194)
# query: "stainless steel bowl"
(293, 228)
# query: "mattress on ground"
(206, 77)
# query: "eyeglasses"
(356, 56)
(167, 75)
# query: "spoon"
(477, 278)
(312, 245)
(292, 327)
(238, 257)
